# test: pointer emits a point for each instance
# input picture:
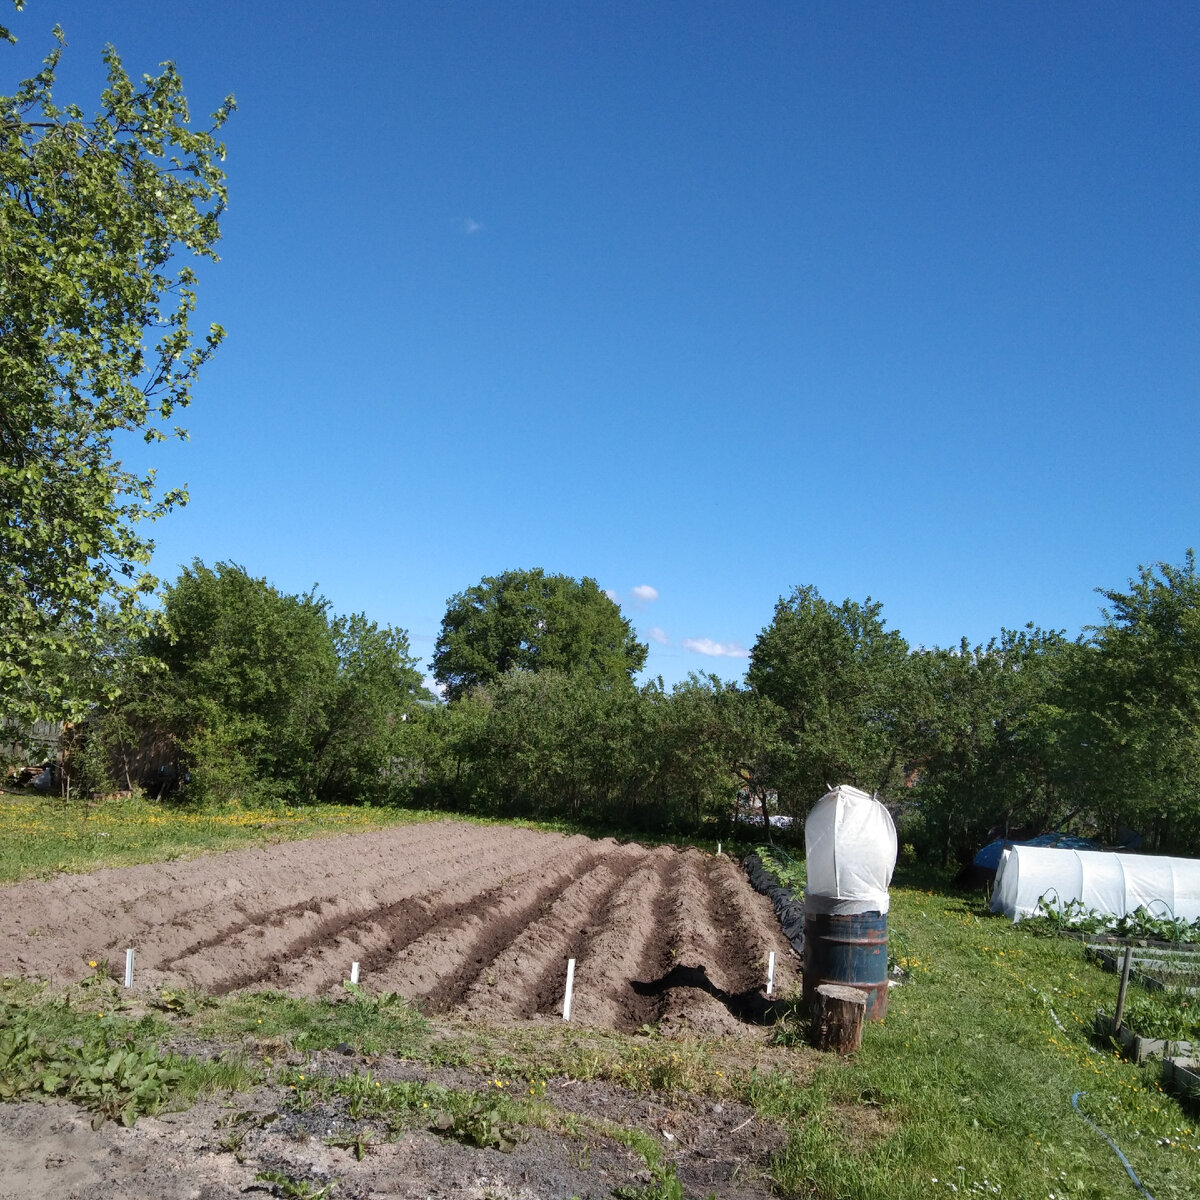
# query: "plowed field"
(456, 917)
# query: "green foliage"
(531, 621)
(663, 1185)
(1136, 721)
(787, 871)
(1141, 924)
(839, 678)
(111, 1077)
(369, 1024)
(982, 724)
(268, 697)
(1170, 1014)
(92, 213)
(295, 1189)
(485, 1123)
(552, 745)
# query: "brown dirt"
(475, 923)
(216, 1149)
(455, 917)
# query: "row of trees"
(265, 694)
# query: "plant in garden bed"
(1168, 1014)
(789, 872)
(1051, 917)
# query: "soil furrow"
(545, 996)
(630, 947)
(510, 967)
(311, 952)
(749, 929)
(447, 914)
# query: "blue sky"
(707, 300)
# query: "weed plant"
(1051, 917)
(366, 1024)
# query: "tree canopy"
(265, 691)
(531, 621)
(838, 676)
(95, 346)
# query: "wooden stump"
(837, 1017)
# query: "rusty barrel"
(851, 950)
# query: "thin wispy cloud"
(470, 225)
(645, 593)
(658, 635)
(715, 649)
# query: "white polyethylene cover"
(1113, 884)
(850, 844)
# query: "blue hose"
(1137, 1183)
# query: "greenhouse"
(1109, 883)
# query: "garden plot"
(1154, 967)
(458, 918)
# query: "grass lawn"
(966, 1089)
(40, 835)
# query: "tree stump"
(837, 1017)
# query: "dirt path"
(453, 916)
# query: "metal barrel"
(850, 950)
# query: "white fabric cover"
(850, 845)
(1114, 884)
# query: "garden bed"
(1182, 1076)
(1133, 1046)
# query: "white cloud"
(438, 689)
(658, 635)
(611, 595)
(645, 593)
(715, 649)
(470, 225)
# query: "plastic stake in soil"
(570, 987)
(354, 972)
(718, 849)
(770, 972)
(129, 967)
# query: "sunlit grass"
(42, 835)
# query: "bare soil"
(477, 923)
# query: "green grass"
(972, 1078)
(40, 835)
(367, 1024)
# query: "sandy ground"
(474, 922)
(452, 916)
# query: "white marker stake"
(718, 849)
(770, 972)
(354, 972)
(570, 988)
(129, 967)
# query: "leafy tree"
(546, 744)
(531, 621)
(982, 730)
(95, 345)
(711, 741)
(1136, 726)
(362, 751)
(251, 675)
(267, 695)
(839, 677)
